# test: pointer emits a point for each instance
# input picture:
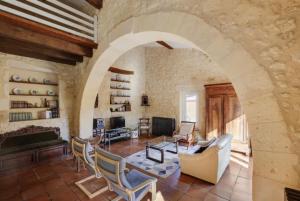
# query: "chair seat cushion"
(135, 178)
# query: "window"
(189, 110)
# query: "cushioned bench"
(30, 145)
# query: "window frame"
(183, 108)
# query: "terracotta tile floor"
(54, 180)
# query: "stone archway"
(274, 165)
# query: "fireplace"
(163, 126)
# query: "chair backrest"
(186, 127)
(80, 149)
(111, 167)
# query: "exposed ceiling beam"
(9, 30)
(35, 51)
(37, 27)
(96, 3)
(163, 43)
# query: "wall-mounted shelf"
(115, 80)
(119, 76)
(120, 71)
(15, 108)
(25, 105)
(119, 88)
(34, 119)
(119, 96)
(32, 95)
(121, 111)
(39, 83)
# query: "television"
(117, 122)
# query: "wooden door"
(215, 116)
(225, 115)
(233, 117)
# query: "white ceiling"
(172, 44)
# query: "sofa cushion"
(205, 145)
(206, 142)
(223, 140)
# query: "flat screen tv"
(117, 122)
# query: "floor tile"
(33, 191)
(212, 197)
(189, 198)
(55, 180)
(240, 196)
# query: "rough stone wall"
(178, 70)
(65, 76)
(133, 60)
(268, 30)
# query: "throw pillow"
(205, 145)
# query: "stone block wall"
(257, 44)
(172, 72)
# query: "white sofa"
(211, 163)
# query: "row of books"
(20, 116)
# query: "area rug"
(170, 165)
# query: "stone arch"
(251, 81)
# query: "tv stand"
(116, 134)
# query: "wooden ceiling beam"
(21, 48)
(40, 28)
(9, 30)
(96, 3)
(163, 43)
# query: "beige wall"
(10, 64)
(172, 72)
(133, 60)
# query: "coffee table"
(160, 144)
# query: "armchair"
(185, 133)
(81, 150)
(130, 185)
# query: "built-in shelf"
(32, 95)
(23, 105)
(115, 80)
(14, 108)
(121, 111)
(34, 119)
(119, 88)
(116, 105)
(120, 96)
(39, 83)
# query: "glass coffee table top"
(161, 142)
